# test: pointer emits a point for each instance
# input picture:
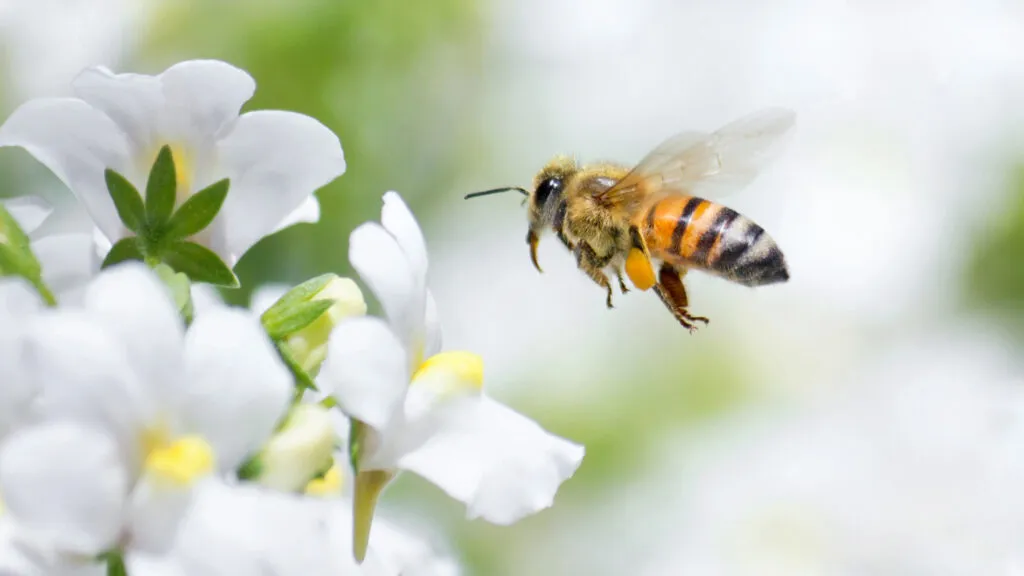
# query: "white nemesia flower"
(63, 490)
(179, 404)
(18, 301)
(502, 465)
(274, 159)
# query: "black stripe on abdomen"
(682, 222)
(734, 249)
(718, 228)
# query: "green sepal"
(303, 381)
(181, 289)
(356, 430)
(124, 249)
(197, 212)
(12, 234)
(300, 316)
(127, 201)
(250, 469)
(17, 258)
(199, 263)
(114, 562)
(297, 295)
(161, 189)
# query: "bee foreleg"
(593, 266)
(673, 293)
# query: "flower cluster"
(146, 430)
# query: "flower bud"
(303, 320)
(301, 450)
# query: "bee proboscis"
(662, 212)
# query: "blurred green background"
(876, 204)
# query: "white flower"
(425, 411)
(274, 159)
(63, 489)
(18, 301)
(179, 404)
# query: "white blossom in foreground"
(275, 160)
(62, 486)
(18, 301)
(180, 406)
(422, 410)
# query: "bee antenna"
(498, 191)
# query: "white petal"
(136, 307)
(17, 299)
(235, 388)
(65, 481)
(155, 512)
(83, 374)
(398, 220)
(265, 296)
(133, 101)
(205, 297)
(502, 465)
(244, 530)
(77, 143)
(275, 161)
(28, 211)
(366, 370)
(307, 213)
(202, 97)
(433, 328)
(384, 266)
(69, 261)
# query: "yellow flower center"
(449, 373)
(329, 485)
(182, 461)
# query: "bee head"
(544, 200)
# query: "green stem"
(45, 292)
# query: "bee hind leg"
(673, 293)
(593, 266)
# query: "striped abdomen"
(696, 233)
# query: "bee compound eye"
(546, 188)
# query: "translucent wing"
(708, 165)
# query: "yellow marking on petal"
(455, 372)
(369, 485)
(182, 461)
(154, 437)
(329, 485)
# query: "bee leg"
(588, 261)
(673, 293)
(622, 282)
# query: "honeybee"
(660, 213)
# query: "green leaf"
(127, 201)
(302, 379)
(297, 295)
(125, 249)
(161, 189)
(197, 212)
(299, 317)
(114, 562)
(12, 234)
(199, 263)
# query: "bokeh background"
(867, 418)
